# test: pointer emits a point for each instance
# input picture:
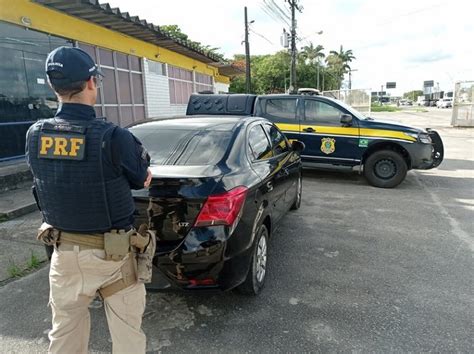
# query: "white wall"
(157, 94)
(220, 87)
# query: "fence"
(360, 99)
(463, 104)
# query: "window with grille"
(121, 97)
(181, 84)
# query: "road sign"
(429, 83)
(391, 85)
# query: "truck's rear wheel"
(385, 169)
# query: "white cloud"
(403, 41)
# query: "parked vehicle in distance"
(445, 103)
(220, 186)
(405, 102)
(335, 134)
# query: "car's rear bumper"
(204, 262)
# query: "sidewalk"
(18, 243)
(17, 202)
(13, 173)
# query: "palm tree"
(313, 54)
(346, 56)
(340, 61)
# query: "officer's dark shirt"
(126, 153)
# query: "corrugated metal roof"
(114, 19)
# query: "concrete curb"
(17, 212)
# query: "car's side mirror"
(297, 146)
(346, 119)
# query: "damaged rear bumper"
(206, 259)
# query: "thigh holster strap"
(129, 277)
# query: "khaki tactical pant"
(74, 278)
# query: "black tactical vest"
(67, 161)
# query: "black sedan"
(220, 185)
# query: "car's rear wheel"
(299, 192)
(385, 169)
(255, 279)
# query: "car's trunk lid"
(173, 201)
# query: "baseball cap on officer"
(66, 65)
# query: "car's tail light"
(222, 209)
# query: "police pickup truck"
(335, 134)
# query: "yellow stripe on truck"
(350, 131)
(381, 133)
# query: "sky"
(400, 40)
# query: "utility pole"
(323, 82)
(317, 73)
(248, 85)
(294, 6)
(350, 77)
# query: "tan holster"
(139, 246)
(129, 277)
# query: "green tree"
(175, 32)
(339, 62)
(309, 66)
(271, 73)
(312, 53)
(412, 95)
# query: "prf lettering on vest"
(64, 146)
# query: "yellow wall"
(59, 24)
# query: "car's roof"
(221, 123)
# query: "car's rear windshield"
(168, 146)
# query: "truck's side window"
(322, 113)
(281, 108)
(259, 146)
(278, 140)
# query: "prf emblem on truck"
(328, 145)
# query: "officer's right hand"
(148, 178)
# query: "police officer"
(83, 169)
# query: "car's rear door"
(266, 167)
(283, 111)
(288, 168)
(327, 140)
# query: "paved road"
(356, 268)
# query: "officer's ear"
(91, 85)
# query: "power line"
(273, 13)
(394, 18)
(262, 36)
(280, 10)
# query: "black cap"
(65, 65)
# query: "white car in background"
(445, 103)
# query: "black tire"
(385, 169)
(299, 192)
(254, 281)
